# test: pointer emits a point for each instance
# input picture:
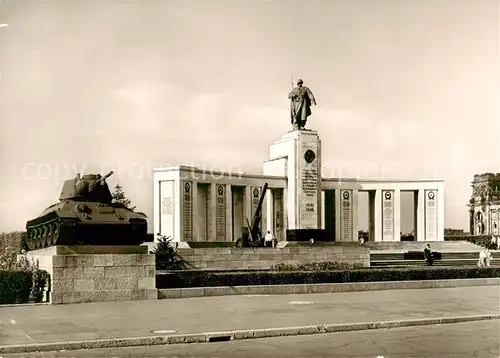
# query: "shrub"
(316, 266)
(209, 279)
(15, 286)
(14, 271)
(166, 256)
(41, 279)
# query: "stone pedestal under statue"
(297, 156)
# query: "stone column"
(229, 213)
(338, 215)
(178, 192)
(431, 216)
(420, 215)
(371, 215)
(284, 213)
(345, 207)
(157, 207)
(247, 203)
(278, 209)
(269, 206)
(323, 211)
(194, 213)
(222, 208)
(377, 215)
(355, 211)
(167, 210)
(264, 214)
(440, 221)
(330, 214)
(212, 212)
(186, 210)
(388, 215)
(397, 215)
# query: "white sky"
(404, 90)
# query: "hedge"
(15, 286)
(184, 279)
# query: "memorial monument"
(193, 205)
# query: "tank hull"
(86, 223)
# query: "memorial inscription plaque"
(309, 184)
(346, 228)
(187, 210)
(220, 212)
(167, 208)
(388, 215)
(431, 215)
(255, 192)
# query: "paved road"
(56, 323)
(459, 340)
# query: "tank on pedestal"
(86, 215)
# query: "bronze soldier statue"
(300, 106)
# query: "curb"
(224, 336)
(24, 304)
(191, 292)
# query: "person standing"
(429, 260)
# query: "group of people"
(484, 258)
(484, 255)
(270, 240)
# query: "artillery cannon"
(86, 215)
(251, 236)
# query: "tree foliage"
(120, 197)
(13, 239)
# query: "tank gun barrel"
(101, 180)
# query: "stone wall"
(262, 258)
(101, 274)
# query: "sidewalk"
(89, 321)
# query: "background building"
(484, 204)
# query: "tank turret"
(90, 187)
(86, 215)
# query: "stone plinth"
(262, 258)
(297, 155)
(98, 273)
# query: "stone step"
(406, 263)
(444, 256)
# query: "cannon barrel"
(101, 180)
(258, 212)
